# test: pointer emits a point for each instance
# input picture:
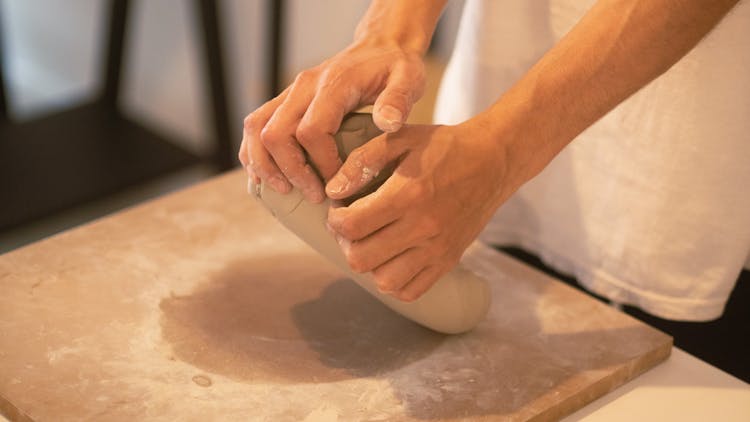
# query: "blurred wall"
(48, 51)
(53, 52)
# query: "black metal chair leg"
(275, 52)
(224, 154)
(112, 65)
(3, 101)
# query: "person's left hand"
(447, 183)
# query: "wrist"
(493, 158)
(408, 26)
(527, 125)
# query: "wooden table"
(198, 306)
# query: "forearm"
(408, 24)
(618, 47)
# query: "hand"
(447, 184)
(289, 140)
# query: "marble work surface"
(198, 306)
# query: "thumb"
(364, 164)
(393, 105)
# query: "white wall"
(49, 49)
(52, 55)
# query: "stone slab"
(199, 306)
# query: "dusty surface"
(199, 307)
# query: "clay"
(456, 303)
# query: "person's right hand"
(288, 141)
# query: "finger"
(265, 168)
(419, 284)
(335, 97)
(252, 152)
(396, 273)
(392, 240)
(364, 164)
(250, 172)
(245, 160)
(242, 153)
(279, 138)
(252, 181)
(404, 87)
(366, 215)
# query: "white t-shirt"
(651, 205)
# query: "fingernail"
(253, 186)
(392, 117)
(278, 184)
(386, 291)
(337, 184)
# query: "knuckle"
(308, 133)
(357, 267)
(334, 68)
(356, 262)
(252, 122)
(431, 225)
(270, 136)
(385, 282)
(305, 77)
(349, 228)
(333, 73)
